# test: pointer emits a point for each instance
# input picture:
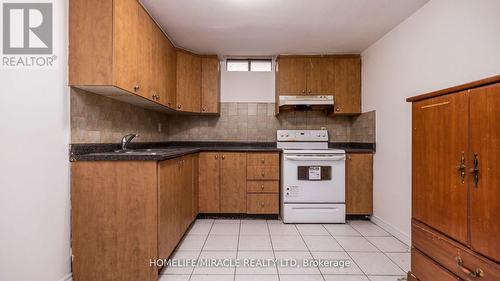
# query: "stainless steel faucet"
(127, 139)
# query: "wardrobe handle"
(461, 167)
(475, 171)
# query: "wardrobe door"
(440, 130)
(484, 170)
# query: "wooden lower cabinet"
(209, 182)
(359, 184)
(233, 181)
(125, 213)
(262, 203)
(225, 184)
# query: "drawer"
(425, 269)
(263, 159)
(263, 187)
(263, 172)
(262, 203)
(453, 256)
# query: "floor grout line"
(310, 253)
(203, 246)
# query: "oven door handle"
(315, 158)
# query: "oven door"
(313, 178)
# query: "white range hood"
(327, 100)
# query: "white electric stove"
(312, 178)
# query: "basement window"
(249, 65)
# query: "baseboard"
(68, 277)
(403, 237)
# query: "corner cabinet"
(117, 50)
(337, 75)
(456, 181)
(198, 83)
(134, 209)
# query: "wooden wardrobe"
(456, 183)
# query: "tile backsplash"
(97, 119)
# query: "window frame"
(249, 64)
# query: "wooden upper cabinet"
(359, 184)
(117, 50)
(485, 148)
(127, 45)
(339, 76)
(347, 86)
(171, 73)
(320, 76)
(188, 81)
(291, 75)
(233, 182)
(440, 129)
(209, 182)
(210, 85)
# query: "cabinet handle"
(179, 106)
(262, 204)
(262, 161)
(223, 157)
(303, 91)
(310, 91)
(475, 171)
(204, 109)
(262, 187)
(153, 97)
(158, 97)
(338, 108)
(461, 167)
(263, 174)
(216, 156)
(478, 272)
(137, 87)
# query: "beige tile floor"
(373, 253)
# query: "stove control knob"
(287, 193)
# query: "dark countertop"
(168, 150)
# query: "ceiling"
(272, 27)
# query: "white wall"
(445, 43)
(34, 168)
(247, 86)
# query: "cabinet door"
(161, 65)
(188, 82)
(233, 183)
(186, 199)
(157, 65)
(210, 77)
(209, 182)
(321, 76)
(347, 86)
(440, 130)
(485, 195)
(359, 184)
(292, 76)
(146, 66)
(425, 269)
(169, 227)
(194, 200)
(127, 45)
(171, 73)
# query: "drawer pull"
(475, 171)
(262, 204)
(461, 167)
(478, 272)
(262, 161)
(262, 187)
(263, 174)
